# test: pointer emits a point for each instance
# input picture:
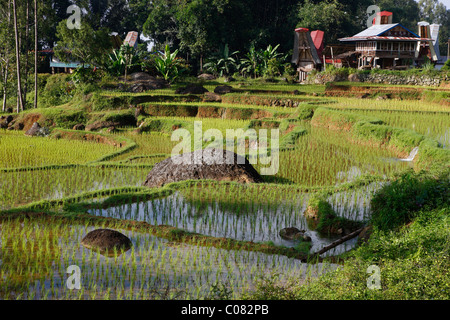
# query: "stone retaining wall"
(419, 80)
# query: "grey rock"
(37, 131)
(206, 76)
(212, 97)
(210, 163)
(223, 89)
(291, 233)
(106, 240)
(191, 89)
(79, 126)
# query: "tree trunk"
(27, 32)
(201, 63)
(5, 81)
(35, 55)
(19, 81)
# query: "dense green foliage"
(406, 198)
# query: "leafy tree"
(328, 16)
(200, 27)
(405, 12)
(84, 45)
(161, 24)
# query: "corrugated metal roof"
(376, 30)
(385, 38)
(72, 65)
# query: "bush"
(59, 89)
(446, 66)
(85, 76)
(398, 203)
(101, 102)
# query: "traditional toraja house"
(386, 45)
(305, 54)
(428, 49)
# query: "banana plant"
(251, 63)
(222, 63)
(269, 54)
(168, 64)
(121, 60)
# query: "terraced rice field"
(201, 235)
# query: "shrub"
(83, 75)
(446, 66)
(59, 89)
(398, 203)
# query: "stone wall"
(419, 80)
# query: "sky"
(446, 3)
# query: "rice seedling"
(434, 125)
(18, 150)
(37, 251)
(324, 158)
(389, 104)
(19, 188)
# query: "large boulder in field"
(37, 131)
(293, 233)
(206, 76)
(102, 125)
(141, 82)
(191, 89)
(5, 121)
(210, 163)
(223, 89)
(211, 97)
(106, 240)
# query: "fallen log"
(339, 241)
